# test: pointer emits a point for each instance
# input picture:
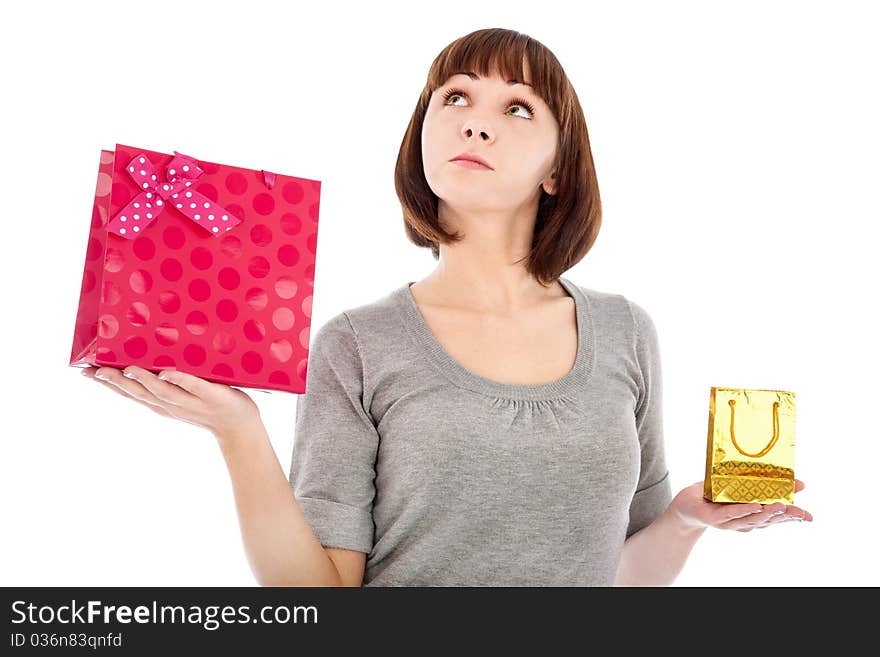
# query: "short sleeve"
(654, 491)
(332, 471)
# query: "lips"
(468, 164)
(471, 157)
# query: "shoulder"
(369, 320)
(613, 306)
(374, 311)
(619, 311)
(642, 319)
(363, 341)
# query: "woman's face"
(483, 116)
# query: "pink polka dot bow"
(181, 172)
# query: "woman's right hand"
(221, 409)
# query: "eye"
(515, 102)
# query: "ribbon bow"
(180, 173)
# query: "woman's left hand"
(696, 511)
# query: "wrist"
(238, 435)
(682, 524)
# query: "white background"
(737, 153)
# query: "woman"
(494, 423)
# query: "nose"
(473, 126)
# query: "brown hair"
(567, 222)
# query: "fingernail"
(101, 376)
(128, 374)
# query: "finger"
(161, 389)
(120, 391)
(192, 384)
(798, 485)
(779, 517)
(754, 519)
(784, 517)
(740, 511)
(115, 376)
(730, 513)
(129, 386)
(794, 512)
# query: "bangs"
(487, 52)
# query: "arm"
(314, 527)
(663, 529)
(333, 464)
(656, 554)
(658, 541)
(281, 547)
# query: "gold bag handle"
(773, 440)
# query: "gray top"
(446, 478)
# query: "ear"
(549, 184)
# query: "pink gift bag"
(201, 267)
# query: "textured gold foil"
(750, 447)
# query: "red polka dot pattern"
(229, 306)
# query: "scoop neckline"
(566, 386)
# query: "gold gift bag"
(750, 451)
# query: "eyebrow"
(474, 76)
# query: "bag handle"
(773, 440)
